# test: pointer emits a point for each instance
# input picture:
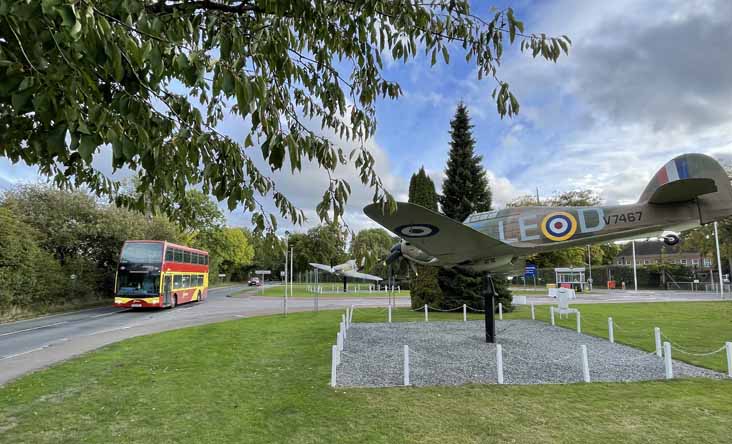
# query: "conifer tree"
(465, 191)
(466, 188)
(424, 287)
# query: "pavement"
(33, 344)
(625, 296)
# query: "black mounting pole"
(345, 284)
(489, 298)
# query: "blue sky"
(644, 81)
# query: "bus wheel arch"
(174, 301)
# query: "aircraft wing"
(327, 268)
(450, 241)
(357, 275)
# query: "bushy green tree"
(30, 276)
(369, 247)
(152, 80)
(424, 287)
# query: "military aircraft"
(688, 191)
(346, 270)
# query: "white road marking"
(34, 328)
(108, 314)
(23, 353)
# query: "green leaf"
(87, 147)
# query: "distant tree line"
(60, 248)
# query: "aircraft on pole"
(688, 191)
(346, 270)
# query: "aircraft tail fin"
(692, 177)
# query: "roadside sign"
(263, 272)
(530, 270)
(282, 273)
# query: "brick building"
(657, 252)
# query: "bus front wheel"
(199, 298)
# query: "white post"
(579, 322)
(585, 364)
(533, 313)
(499, 363)
(292, 273)
(551, 314)
(339, 340)
(426, 314)
(500, 311)
(333, 365)
(635, 275)
(729, 358)
(399, 288)
(390, 313)
(610, 331)
(465, 313)
(406, 365)
(719, 263)
(657, 334)
(344, 325)
(667, 360)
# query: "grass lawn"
(301, 291)
(265, 380)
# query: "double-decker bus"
(159, 274)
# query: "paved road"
(33, 344)
(624, 296)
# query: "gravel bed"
(453, 353)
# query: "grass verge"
(264, 380)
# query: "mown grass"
(265, 380)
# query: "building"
(657, 252)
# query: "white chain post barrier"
(465, 313)
(533, 313)
(585, 364)
(610, 332)
(579, 322)
(667, 360)
(657, 334)
(344, 326)
(499, 363)
(500, 311)
(406, 365)
(728, 346)
(551, 314)
(333, 365)
(389, 313)
(339, 340)
(426, 314)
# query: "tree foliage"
(369, 247)
(422, 190)
(150, 81)
(465, 189)
(424, 287)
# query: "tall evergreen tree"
(465, 189)
(424, 287)
(422, 190)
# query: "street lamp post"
(635, 274)
(719, 262)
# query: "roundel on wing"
(416, 230)
(558, 226)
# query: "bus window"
(196, 258)
(205, 259)
(200, 280)
(169, 254)
(178, 255)
(186, 281)
(187, 257)
(177, 281)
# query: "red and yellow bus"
(160, 274)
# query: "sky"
(644, 81)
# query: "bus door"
(167, 287)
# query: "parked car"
(254, 282)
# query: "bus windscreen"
(142, 253)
